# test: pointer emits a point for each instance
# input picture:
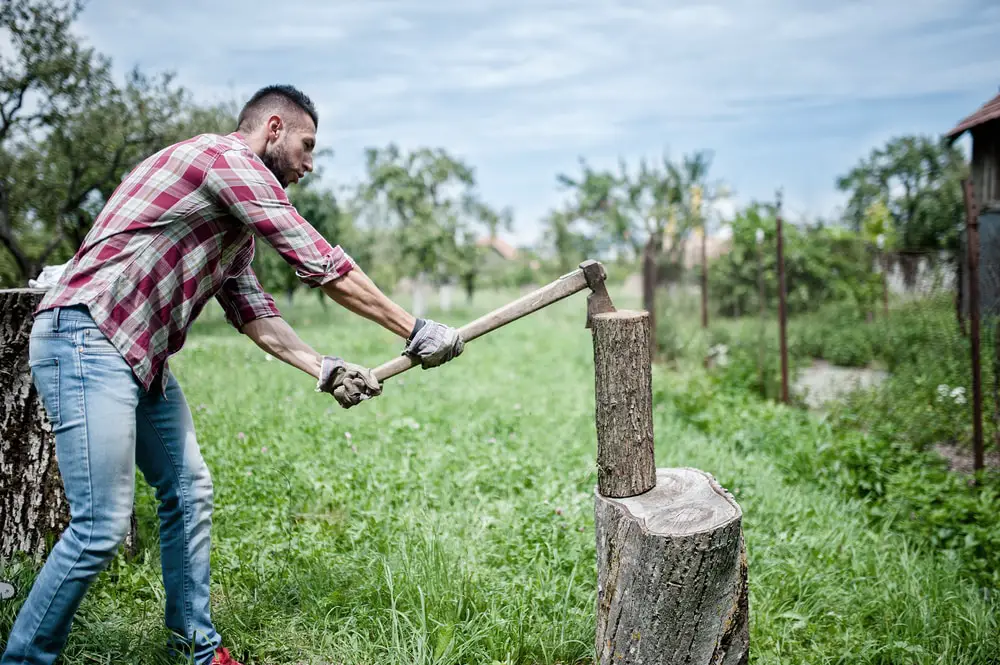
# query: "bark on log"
(623, 386)
(672, 575)
(33, 506)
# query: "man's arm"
(358, 293)
(276, 337)
(251, 193)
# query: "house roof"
(501, 247)
(987, 112)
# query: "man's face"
(289, 155)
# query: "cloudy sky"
(785, 94)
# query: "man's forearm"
(275, 336)
(358, 293)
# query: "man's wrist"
(420, 323)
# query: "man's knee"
(201, 491)
(101, 539)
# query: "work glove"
(350, 384)
(433, 343)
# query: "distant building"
(504, 249)
(984, 126)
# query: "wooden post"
(884, 256)
(704, 276)
(33, 506)
(761, 297)
(671, 559)
(649, 290)
(972, 252)
(782, 308)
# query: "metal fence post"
(972, 254)
(782, 310)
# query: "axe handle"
(552, 292)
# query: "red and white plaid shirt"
(179, 230)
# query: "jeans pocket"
(95, 343)
(45, 375)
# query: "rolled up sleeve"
(243, 299)
(251, 194)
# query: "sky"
(784, 94)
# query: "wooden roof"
(987, 112)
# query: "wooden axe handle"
(552, 292)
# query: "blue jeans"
(106, 424)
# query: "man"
(178, 230)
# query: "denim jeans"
(106, 424)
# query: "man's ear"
(274, 127)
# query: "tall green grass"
(451, 519)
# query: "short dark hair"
(270, 98)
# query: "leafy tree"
(69, 133)
(822, 264)
(919, 180)
(428, 200)
(647, 214)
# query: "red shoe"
(222, 657)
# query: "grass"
(451, 519)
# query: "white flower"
(958, 392)
(959, 399)
(943, 390)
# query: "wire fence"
(899, 325)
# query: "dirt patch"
(822, 382)
(960, 458)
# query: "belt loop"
(55, 319)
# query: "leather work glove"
(433, 343)
(350, 384)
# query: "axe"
(590, 274)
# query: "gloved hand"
(350, 384)
(433, 343)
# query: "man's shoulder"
(211, 145)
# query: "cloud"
(781, 91)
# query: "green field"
(451, 519)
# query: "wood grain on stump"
(33, 506)
(624, 414)
(672, 575)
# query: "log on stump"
(624, 403)
(33, 506)
(671, 561)
(672, 575)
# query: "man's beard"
(276, 160)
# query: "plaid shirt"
(178, 230)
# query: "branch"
(8, 118)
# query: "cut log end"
(684, 501)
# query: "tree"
(69, 133)
(643, 214)
(919, 179)
(428, 200)
(822, 264)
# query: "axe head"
(598, 301)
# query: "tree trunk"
(649, 291)
(672, 575)
(623, 389)
(33, 507)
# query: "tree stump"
(672, 574)
(671, 560)
(33, 506)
